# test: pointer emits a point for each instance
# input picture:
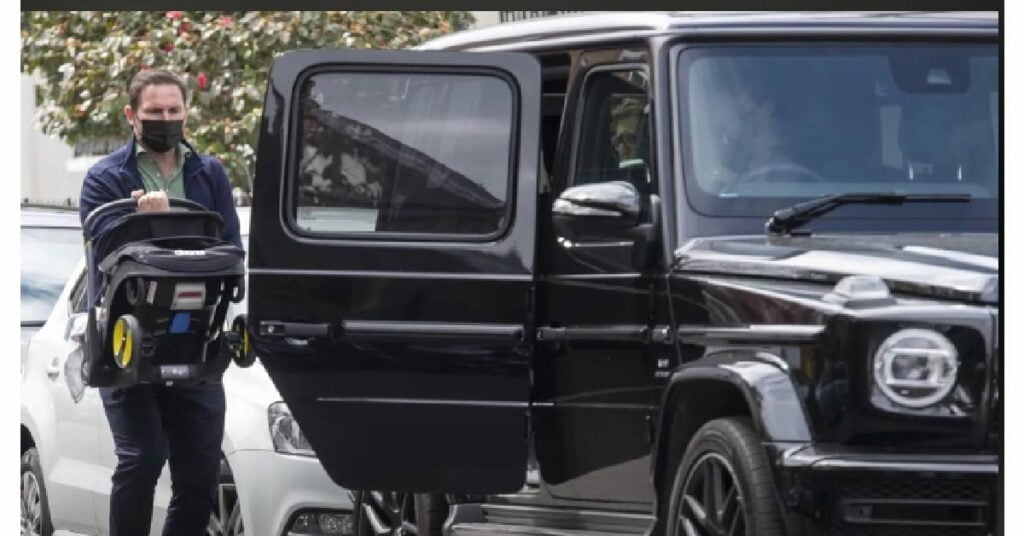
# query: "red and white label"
(188, 296)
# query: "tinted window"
(48, 255)
(613, 140)
(404, 153)
(768, 125)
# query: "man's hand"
(151, 202)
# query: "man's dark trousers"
(183, 425)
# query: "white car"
(271, 482)
(51, 243)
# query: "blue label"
(179, 324)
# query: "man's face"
(625, 123)
(624, 137)
(161, 102)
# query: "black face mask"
(161, 136)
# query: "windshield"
(48, 255)
(769, 126)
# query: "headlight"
(285, 432)
(916, 367)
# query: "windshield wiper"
(784, 221)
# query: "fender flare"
(763, 380)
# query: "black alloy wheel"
(712, 502)
(394, 513)
(724, 485)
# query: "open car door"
(391, 262)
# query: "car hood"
(251, 384)
(962, 267)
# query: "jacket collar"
(189, 168)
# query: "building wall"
(489, 18)
(485, 18)
(50, 174)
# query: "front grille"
(912, 507)
(933, 489)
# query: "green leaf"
(86, 60)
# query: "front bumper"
(273, 487)
(840, 492)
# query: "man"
(151, 424)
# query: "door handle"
(53, 369)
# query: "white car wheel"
(227, 518)
(35, 512)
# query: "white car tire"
(227, 518)
(35, 509)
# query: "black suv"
(713, 274)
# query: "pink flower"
(224, 20)
(168, 47)
(184, 27)
(174, 14)
(201, 80)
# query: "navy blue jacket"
(117, 174)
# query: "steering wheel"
(762, 174)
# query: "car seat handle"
(187, 203)
(122, 204)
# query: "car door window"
(48, 255)
(613, 141)
(370, 158)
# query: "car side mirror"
(598, 211)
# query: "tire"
(245, 356)
(729, 452)
(226, 520)
(393, 513)
(431, 513)
(35, 508)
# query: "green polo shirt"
(153, 180)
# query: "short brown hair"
(153, 77)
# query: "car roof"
(622, 26)
(50, 217)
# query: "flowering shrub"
(87, 58)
